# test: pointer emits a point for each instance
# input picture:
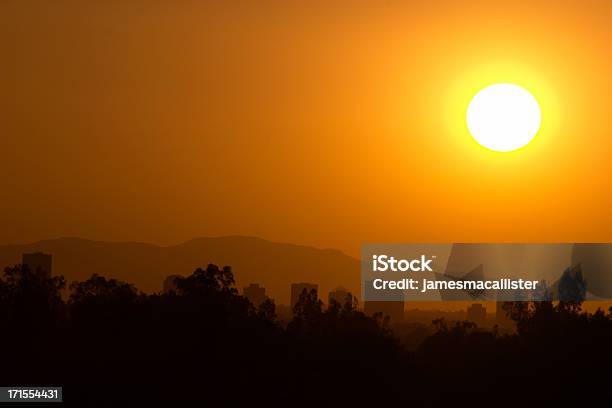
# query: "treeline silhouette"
(203, 342)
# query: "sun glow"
(503, 117)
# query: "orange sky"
(327, 125)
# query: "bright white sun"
(503, 117)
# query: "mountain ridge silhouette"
(254, 260)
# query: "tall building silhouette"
(38, 262)
(255, 293)
(298, 288)
(338, 295)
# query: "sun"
(503, 117)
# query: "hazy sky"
(318, 124)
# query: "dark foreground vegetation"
(109, 344)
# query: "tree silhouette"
(30, 299)
(206, 281)
(267, 310)
(100, 302)
(308, 307)
(205, 342)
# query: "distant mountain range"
(253, 260)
